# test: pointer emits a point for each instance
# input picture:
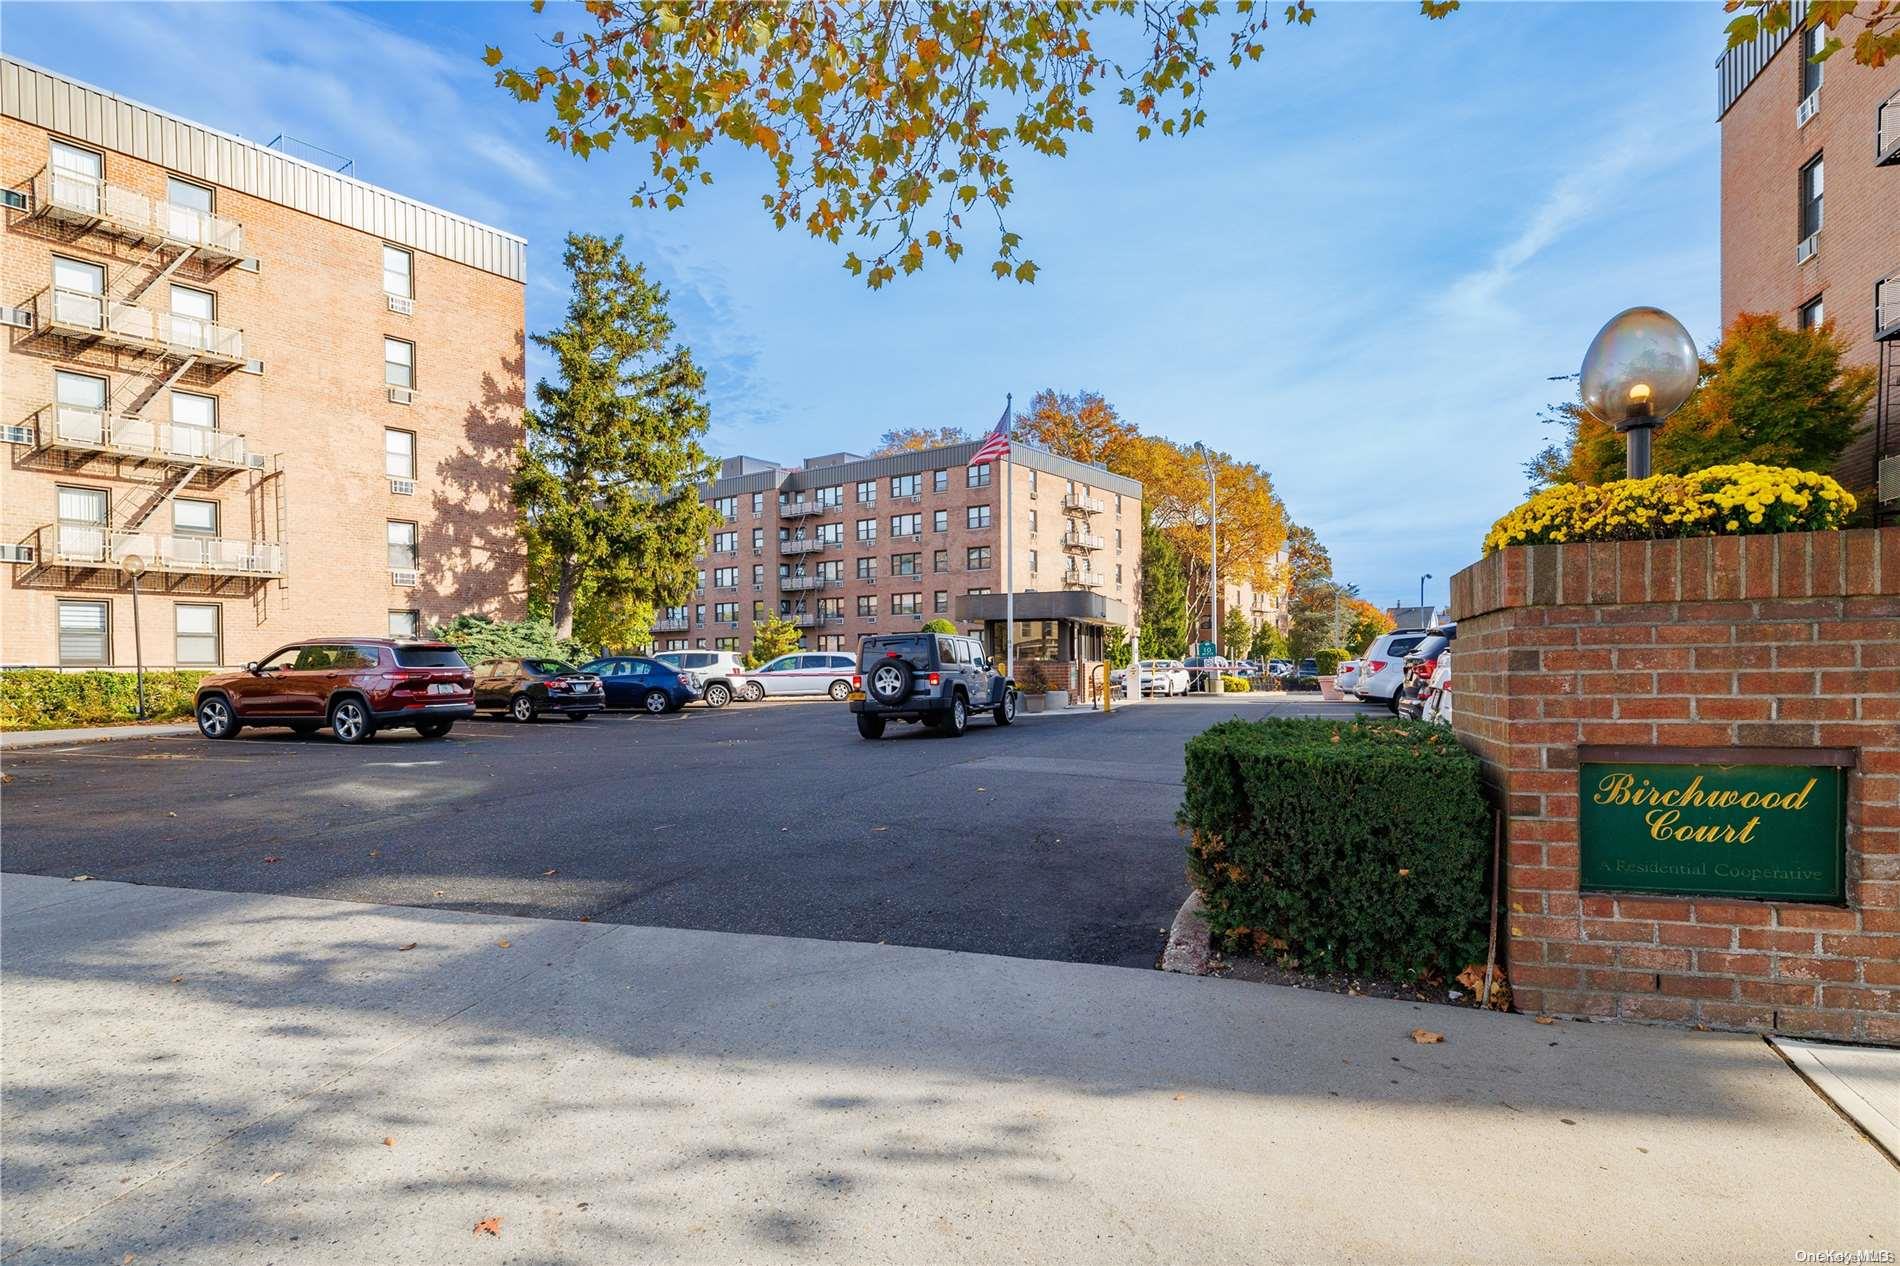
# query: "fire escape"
(153, 349)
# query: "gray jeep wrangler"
(939, 679)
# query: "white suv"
(721, 675)
(1382, 667)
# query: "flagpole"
(1009, 545)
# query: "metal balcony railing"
(799, 584)
(1078, 578)
(142, 329)
(72, 196)
(806, 619)
(81, 429)
(670, 624)
(1083, 505)
(1081, 540)
(1887, 131)
(795, 547)
(1887, 307)
(800, 509)
(92, 544)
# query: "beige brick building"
(848, 545)
(1811, 209)
(293, 397)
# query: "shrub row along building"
(286, 399)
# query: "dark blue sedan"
(634, 681)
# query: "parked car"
(1205, 672)
(355, 686)
(1420, 663)
(1305, 675)
(1157, 677)
(1279, 668)
(1437, 706)
(524, 688)
(937, 679)
(636, 681)
(1345, 674)
(807, 673)
(1382, 667)
(722, 675)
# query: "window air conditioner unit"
(1806, 250)
(16, 434)
(402, 395)
(397, 303)
(255, 461)
(1889, 479)
(1809, 107)
(14, 199)
(402, 578)
(16, 553)
(403, 487)
(17, 318)
(870, 619)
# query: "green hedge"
(1233, 684)
(1328, 659)
(1358, 847)
(38, 699)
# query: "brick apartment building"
(847, 545)
(291, 398)
(1811, 211)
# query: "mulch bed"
(1261, 971)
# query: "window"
(907, 524)
(194, 518)
(1032, 562)
(1118, 540)
(758, 573)
(78, 293)
(192, 313)
(867, 491)
(1118, 503)
(1811, 190)
(1813, 40)
(831, 608)
(402, 545)
(399, 453)
(188, 208)
(84, 636)
(831, 496)
(1811, 314)
(726, 643)
(940, 560)
(906, 485)
(940, 481)
(1118, 575)
(758, 538)
(80, 412)
(399, 272)
(1032, 522)
(726, 508)
(867, 529)
(699, 614)
(399, 363)
(907, 564)
(758, 503)
(940, 521)
(977, 476)
(725, 542)
(977, 558)
(1032, 481)
(907, 604)
(405, 624)
(193, 410)
(940, 601)
(831, 533)
(831, 642)
(758, 610)
(76, 177)
(726, 578)
(867, 604)
(725, 613)
(196, 631)
(699, 585)
(976, 516)
(82, 523)
(974, 593)
(867, 569)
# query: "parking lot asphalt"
(1053, 838)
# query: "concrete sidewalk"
(91, 734)
(212, 1077)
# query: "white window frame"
(409, 365)
(389, 453)
(413, 620)
(413, 544)
(179, 529)
(104, 633)
(216, 636)
(409, 272)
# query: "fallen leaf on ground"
(178, 980)
(587, 918)
(273, 858)
(170, 814)
(404, 949)
(880, 828)
(128, 1259)
(439, 893)
(1545, 1019)
(389, 1140)
(488, 1226)
(1404, 871)
(503, 942)
(376, 852)
(80, 879)
(1425, 1037)
(273, 1178)
(548, 872)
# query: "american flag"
(996, 444)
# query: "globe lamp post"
(1640, 368)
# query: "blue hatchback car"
(634, 681)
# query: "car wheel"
(718, 695)
(957, 720)
(656, 702)
(434, 729)
(579, 716)
(754, 692)
(304, 729)
(216, 720)
(889, 682)
(1393, 703)
(870, 727)
(1006, 710)
(350, 721)
(840, 691)
(521, 708)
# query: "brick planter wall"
(1787, 641)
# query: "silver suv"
(938, 679)
(721, 675)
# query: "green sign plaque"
(1771, 826)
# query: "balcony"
(797, 547)
(1082, 578)
(806, 619)
(94, 545)
(82, 314)
(89, 201)
(1887, 132)
(1081, 541)
(801, 584)
(1887, 307)
(1079, 504)
(670, 624)
(77, 428)
(801, 509)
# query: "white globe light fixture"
(1640, 368)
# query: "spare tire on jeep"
(888, 680)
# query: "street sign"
(1771, 826)
(1205, 650)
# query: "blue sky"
(1360, 275)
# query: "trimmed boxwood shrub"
(38, 699)
(1360, 847)
(1233, 684)
(1328, 659)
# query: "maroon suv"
(354, 685)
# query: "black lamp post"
(134, 566)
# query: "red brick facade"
(1788, 641)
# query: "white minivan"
(807, 673)
(1382, 667)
